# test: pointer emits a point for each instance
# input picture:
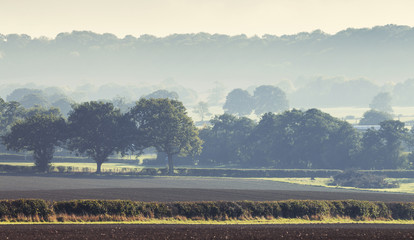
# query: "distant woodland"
(314, 69)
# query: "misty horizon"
(313, 68)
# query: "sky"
(165, 17)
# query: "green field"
(406, 184)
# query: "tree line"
(304, 139)
(291, 139)
(234, 58)
(98, 130)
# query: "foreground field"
(128, 231)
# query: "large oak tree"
(97, 130)
(39, 133)
(164, 124)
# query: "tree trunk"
(98, 166)
(42, 159)
(170, 165)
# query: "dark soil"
(189, 194)
(119, 231)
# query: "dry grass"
(182, 220)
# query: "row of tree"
(292, 139)
(98, 130)
(304, 139)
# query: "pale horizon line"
(119, 36)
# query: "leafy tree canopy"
(297, 139)
(223, 142)
(269, 99)
(39, 133)
(98, 129)
(381, 148)
(9, 113)
(164, 124)
(238, 102)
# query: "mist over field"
(294, 118)
(315, 69)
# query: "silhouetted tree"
(382, 102)
(238, 102)
(269, 99)
(374, 117)
(202, 110)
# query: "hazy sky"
(163, 17)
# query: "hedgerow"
(241, 210)
(35, 209)
(40, 210)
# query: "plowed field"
(101, 232)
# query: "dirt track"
(119, 231)
(175, 189)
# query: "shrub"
(359, 209)
(61, 169)
(402, 210)
(26, 207)
(298, 208)
(352, 178)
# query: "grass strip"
(226, 222)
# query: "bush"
(24, 207)
(362, 180)
(360, 209)
(295, 209)
(402, 210)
